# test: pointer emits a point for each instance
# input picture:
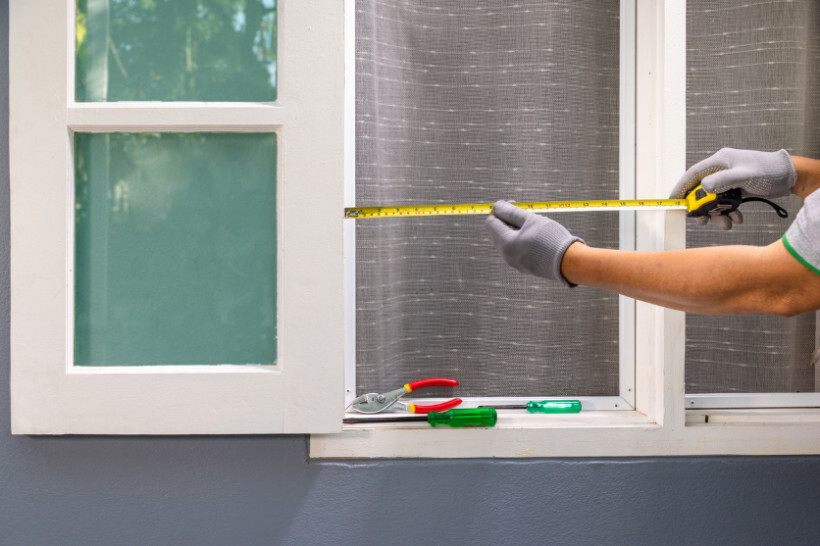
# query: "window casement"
(306, 387)
(286, 383)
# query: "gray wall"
(95, 490)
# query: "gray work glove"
(528, 242)
(757, 174)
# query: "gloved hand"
(757, 174)
(528, 242)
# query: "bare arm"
(714, 280)
(748, 280)
(808, 175)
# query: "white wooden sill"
(588, 434)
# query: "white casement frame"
(300, 393)
(658, 422)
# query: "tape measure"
(363, 213)
(698, 202)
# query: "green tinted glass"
(175, 250)
(176, 50)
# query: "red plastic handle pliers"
(374, 402)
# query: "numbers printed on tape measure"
(360, 213)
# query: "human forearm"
(712, 280)
(808, 175)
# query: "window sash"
(625, 398)
(299, 394)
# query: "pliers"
(374, 402)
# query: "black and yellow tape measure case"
(699, 202)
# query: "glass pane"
(470, 102)
(175, 251)
(751, 84)
(176, 50)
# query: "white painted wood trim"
(626, 176)
(350, 201)
(673, 162)
(753, 400)
(303, 392)
(595, 434)
(661, 157)
(661, 138)
(178, 117)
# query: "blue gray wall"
(229, 490)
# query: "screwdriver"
(545, 406)
(468, 417)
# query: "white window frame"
(653, 139)
(304, 392)
(301, 392)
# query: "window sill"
(589, 434)
(517, 434)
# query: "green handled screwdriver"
(545, 406)
(467, 417)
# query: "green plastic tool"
(469, 417)
(466, 417)
(554, 406)
(545, 406)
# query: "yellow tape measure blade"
(361, 213)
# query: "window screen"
(460, 102)
(752, 83)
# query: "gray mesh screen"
(752, 82)
(473, 102)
